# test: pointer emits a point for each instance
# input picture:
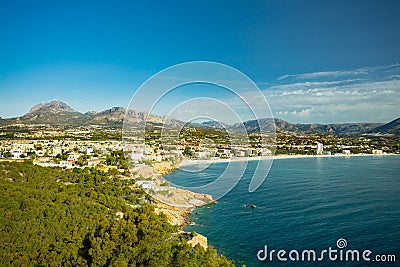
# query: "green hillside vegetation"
(57, 217)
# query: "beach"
(188, 162)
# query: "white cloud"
(341, 73)
(363, 94)
(302, 85)
(371, 101)
(297, 92)
(322, 74)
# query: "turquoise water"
(304, 203)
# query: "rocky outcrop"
(198, 239)
(175, 203)
(182, 198)
(175, 216)
(119, 215)
(163, 167)
(166, 194)
(145, 172)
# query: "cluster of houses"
(58, 153)
(66, 153)
(140, 152)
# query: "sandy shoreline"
(188, 162)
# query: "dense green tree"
(187, 151)
(48, 217)
(7, 154)
(82, 160)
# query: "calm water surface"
(304, 203)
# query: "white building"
(16, 154)
(93, 162)
(73, 156)
(240, 153)
(320, 149)
(89, 151)
(146, 184)
(201, 154)
(65, 163)
(56, 151)
(377, 151)
(346, 152)
(136, 157)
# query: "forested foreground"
(57, 217)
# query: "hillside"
(339, 128)
(392, 127)
(281, 126)
(50, 217)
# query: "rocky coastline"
(176, 203)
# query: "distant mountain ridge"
(392, 127)
(116, 116)
(268, 124)
(59, 113)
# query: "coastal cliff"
(175, 216)
(164, 167)
(175, 203)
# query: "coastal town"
(79, 148)
(107, 154)
(145, 162)
(142, 147)
(142, 163)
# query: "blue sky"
(315, 61)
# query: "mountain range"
(59, 113)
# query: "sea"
(329, 205)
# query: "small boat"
(250, 206)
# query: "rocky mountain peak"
(54, 106)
